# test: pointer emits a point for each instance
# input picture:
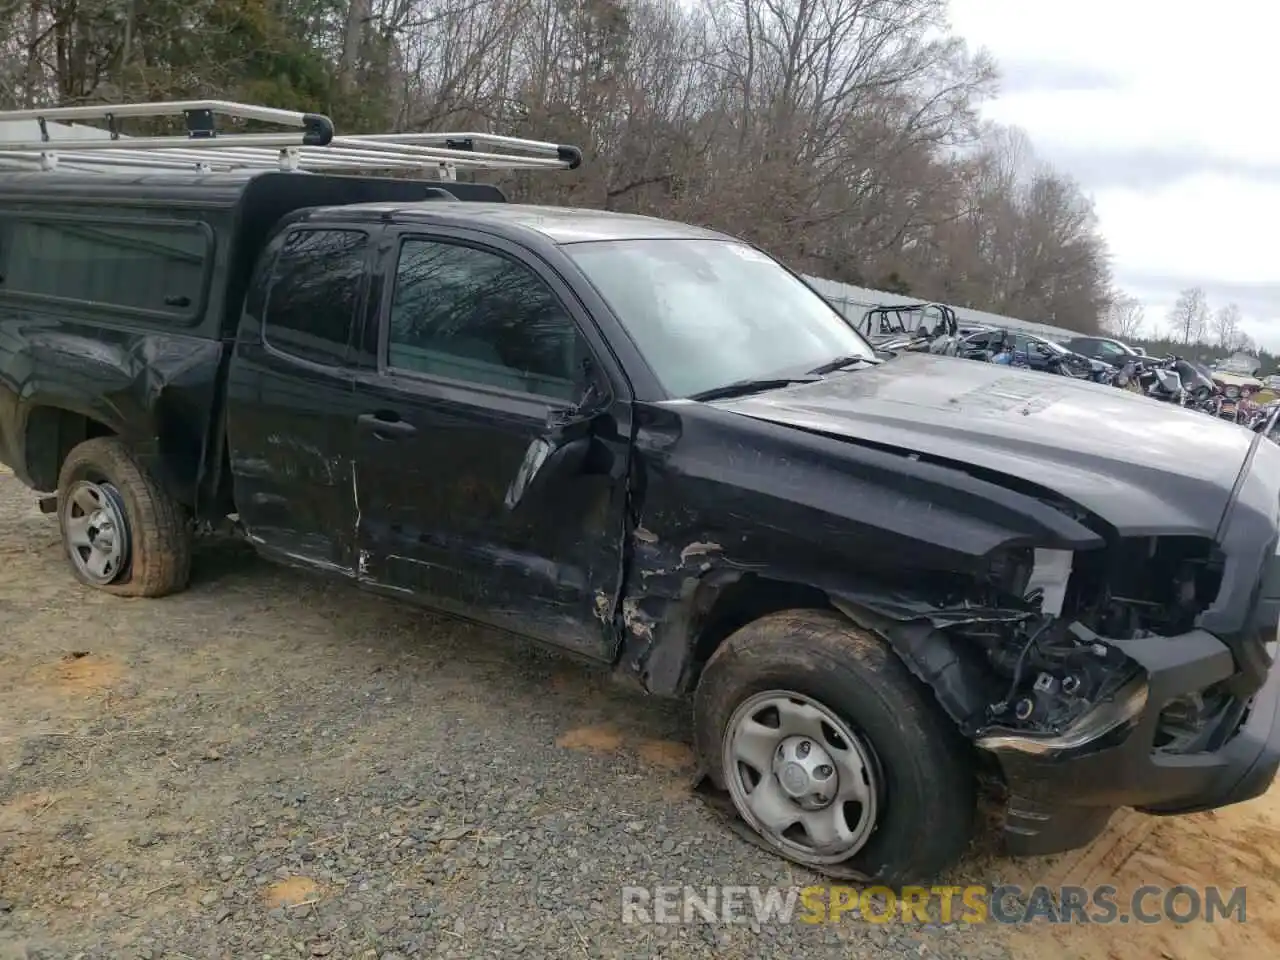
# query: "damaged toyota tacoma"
(881, 582)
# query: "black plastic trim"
(318, 130)
(571, 155)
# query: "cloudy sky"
(1167, 115)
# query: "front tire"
(122, 532)
(832, 751)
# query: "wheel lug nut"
(823, 772)
(803, 749)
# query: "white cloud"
(1206, 225)
(1185, 85)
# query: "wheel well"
(51, 434)
(746, 599)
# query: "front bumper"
(1060, 800)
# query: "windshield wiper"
(740, 388)
(839, 363)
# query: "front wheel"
(123, 533)
(831, 751)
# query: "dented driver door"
(490, 463)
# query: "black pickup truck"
(882, 581)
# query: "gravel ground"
(269, 765)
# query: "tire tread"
(826, 642)
(159, 528)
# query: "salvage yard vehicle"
(882, 581)
(929, 327)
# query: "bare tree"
(1189, 316)
(1226, 326)
(844, 135)
(1125, 317)
(1241, 342)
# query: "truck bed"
(74, 368)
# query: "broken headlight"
(1055, 679)
(1103, 717)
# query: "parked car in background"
(1114, 352)
(1034, 352)
(1241, 364)
(1046, 355)
(1227, 381)
(983, 343)
(927, 327)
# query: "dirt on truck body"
(882, 580)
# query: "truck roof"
(560, 225)
(214, 188)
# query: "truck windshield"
(706, 313)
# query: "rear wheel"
(831, 751)
(122, 532)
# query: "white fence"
(853, 302)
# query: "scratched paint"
(698, 549)
(362, 557)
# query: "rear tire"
(122, 532)
(857, 712)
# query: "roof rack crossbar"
(315, 148)
(162, 108)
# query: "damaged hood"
(1143, 466)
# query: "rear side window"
(157, 267)
(316, 287)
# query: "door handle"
(384, 428)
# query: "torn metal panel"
(536, 455)
(962, 687)
(490, 507)
(721, 497)
(155, 390)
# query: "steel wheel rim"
(97, 532)
(777, 786)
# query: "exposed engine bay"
(1049, 665)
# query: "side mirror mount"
(562, 448)
(546, 458)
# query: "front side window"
(157, 267)
(315, 291)
(706, 313)
(474, 315)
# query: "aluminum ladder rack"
(311, 145)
